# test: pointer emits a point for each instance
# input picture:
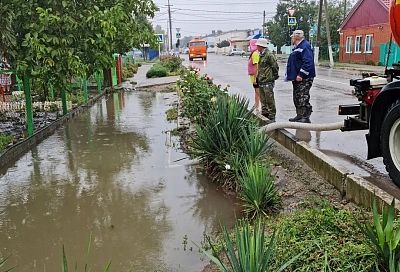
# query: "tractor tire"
(390, 142)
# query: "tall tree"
(305, 13)
(61, 40)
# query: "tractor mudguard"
(389, 94)
(395, 20)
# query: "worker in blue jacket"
(301, 71)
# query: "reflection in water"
(145, 103)
(107, 173)
(303, 135)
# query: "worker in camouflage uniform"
(267, 74)
(301, 71)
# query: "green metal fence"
(394, 56)
(28, 106)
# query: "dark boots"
(296, 118)
(303, 116)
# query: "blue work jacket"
(301, 62)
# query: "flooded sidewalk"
(111, 173)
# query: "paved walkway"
(142, 81)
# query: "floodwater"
(114, 174)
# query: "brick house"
(363, 31)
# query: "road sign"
(291, 12)
(292, 21)
(160, 38)
(178, 35)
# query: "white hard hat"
(262, 42)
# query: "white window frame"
(371, 40)
(349, 44)
(357, 50)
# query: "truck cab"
(197, 49)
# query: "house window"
(368, 44)
(349, 43)
(357, 45)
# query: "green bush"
(384, 237)
(157, 71)
(250, 250)
(5, 140)
(198, 95)
(172, 63)
(172, 114)
(76, 97)
(258, 190)
(219, 139)
(320, 230)
(130, 69)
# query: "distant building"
(365, 32)
(236, 38)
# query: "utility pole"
(264, 25)
(316, 51)
(345, 10)
(170, 26)
(328, 35)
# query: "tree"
(305, 13)
(7, 37)
(58, 41)
(223, 44)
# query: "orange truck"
(197, 49)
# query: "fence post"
(64, 101)
(28, 104)
(99, 77)
(85, 90)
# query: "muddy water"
(110, 174)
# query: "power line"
(198, 3)
(218, 11)
(208, 17)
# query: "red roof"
(367, 12)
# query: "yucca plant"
(247, 251)
(255, 144)
(384, 236)
(258, 190)
(224, 134)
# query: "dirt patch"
(297, 182)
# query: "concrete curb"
(373, 69)
(355, 189)
(12, 154)
(140, 87)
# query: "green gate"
(394, 56)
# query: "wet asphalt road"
(330, 88)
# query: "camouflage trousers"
(267, 100)
(301, 97)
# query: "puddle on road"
(108, 173)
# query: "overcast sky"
(200, 17)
